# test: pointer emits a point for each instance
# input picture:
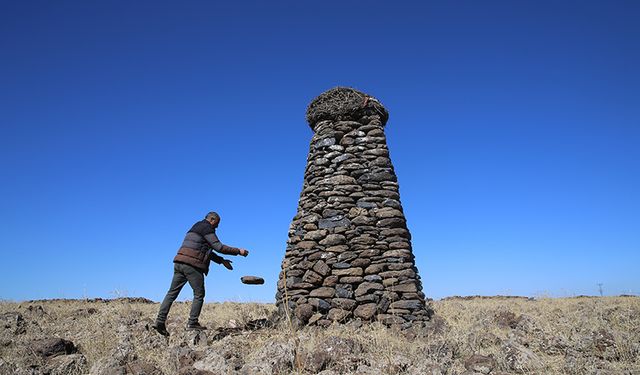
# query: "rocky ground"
(467, 336)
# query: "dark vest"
(197, 255)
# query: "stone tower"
(349, 252)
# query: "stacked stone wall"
(349, 253)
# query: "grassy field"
(582, 335)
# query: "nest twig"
(344, 103)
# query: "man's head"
(213, 218)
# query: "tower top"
(344, 103)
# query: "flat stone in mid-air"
(252, 280)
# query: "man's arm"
(220, 260)
(218, 246)
(216, 258)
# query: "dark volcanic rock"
(333, 222)
(480, 364)
(365, 311)
(252, 280)
(13, 322)
(49, 347)
(507, 319)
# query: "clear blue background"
(514, 130)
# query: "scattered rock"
(341, 352)
(107, 366)
(84, 312)
(520, 359)
(603, 339)
(139, 367)
(13, 322)
(425, 368)
(554, 345)
(134, 300)
(327, 372)
(212, 361)
(271, 358)
(53, 346)
(507, 319)
(198, 338)
(480, 363)
(185, 356)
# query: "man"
(191, 264)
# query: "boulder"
(107, 366)
(506, 319)
(340, 352)
(520, 359)
(13, 322)
(275, 357)
(52, 346)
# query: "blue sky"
(514, 130)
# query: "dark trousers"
(181, 274)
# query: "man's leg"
(179, 279)
(196, 281)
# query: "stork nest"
(344, 103)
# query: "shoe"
(196, 326)
(161, 328)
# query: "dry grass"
(551, 336)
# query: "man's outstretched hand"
(227, 264)
(243, 252)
